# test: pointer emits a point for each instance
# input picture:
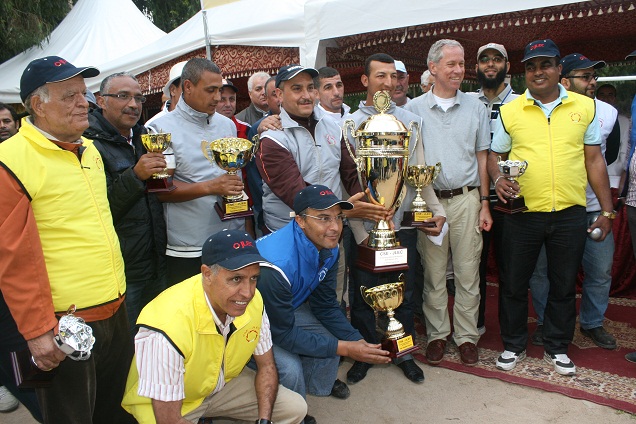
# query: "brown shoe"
(435, 351)
(469, 354)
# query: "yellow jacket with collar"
(182, 315)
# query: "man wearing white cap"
(399, 96)
(172, 90)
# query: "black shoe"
(340, 390)
(412, 371)
(537, 336)
(600, 337)
(357, 372)
(450, 286)
(309, 420)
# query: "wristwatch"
(482, 198)
(609, 215)
(263, 421)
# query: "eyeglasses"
(586, 77)
(495, 59)
(326, 220)
(127, 97)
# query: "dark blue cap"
(318, 197)
(290, 71)
(50, 69)
(541, 48)
(575, 61)
(231, 249)
(631, 55)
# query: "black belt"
(448, 194)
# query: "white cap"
(399, 66)
(175, 74)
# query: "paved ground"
(386, 396)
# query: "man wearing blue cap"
(578, 74)
(60, 251)
(558, 133)
(196, 338)
(309, 330)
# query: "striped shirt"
(161, 367)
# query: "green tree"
(168, 14)
(24, 24)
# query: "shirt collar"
(563, 94)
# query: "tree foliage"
(168, 14)
(25, 24)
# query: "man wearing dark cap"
(227, 107)
(307, 151)
(578, 75)
(309, 330)
(196, 338)
(557, 132)
(60, 251)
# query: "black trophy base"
(161, 185)
(416, 219)
(27, 375)
(400, 347)
(233, 210)
(514, 205)
(382, 260)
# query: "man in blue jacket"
(309, 330)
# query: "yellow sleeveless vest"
(181, 313)
(70, 204)
(556, 177)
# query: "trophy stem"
(382, 236)
(395, 329)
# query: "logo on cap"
(536, 46)
(242, 244)
(326, 192)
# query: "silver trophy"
(75, 337)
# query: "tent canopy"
(95, 32)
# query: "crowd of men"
(195, 316)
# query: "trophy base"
(233, 210)
(514, 205)
(382, 260)
(400, 347)
(416, 219)
(161, 185)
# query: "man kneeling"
(309, 330)
(196, 338)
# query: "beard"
(491, 83)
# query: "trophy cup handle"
(438, 168)
(365, 296)
(256, 140)
(350, 125)
(414, 127)
(205, 148)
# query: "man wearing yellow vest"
(195, 339)
(59, 250)
(558, 133)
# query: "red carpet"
(603, 376)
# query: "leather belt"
(448, 194)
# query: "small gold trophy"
(230, 154)
(420, 176)
(387, 298)
(511, 170)
(158, 143)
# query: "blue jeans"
(598, 258)
(306, 374)
(563, 234)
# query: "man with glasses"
(309, 330)
(557, 132)
(137, 215)
(189, 210)
(578, 75)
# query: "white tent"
(94, 32)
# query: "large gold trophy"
(230, 154)
(382, 151)
(387, 298)
(420, 176)
(158, 143)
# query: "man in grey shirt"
(456, 133)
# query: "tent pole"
(207, 39)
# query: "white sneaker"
(508, 360)
(8, 403)
(481, 330)
(562, 364)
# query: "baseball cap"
(399, 66)
(228, 83)
(175, 74)
(541, 48)
(50, 69)
(631, 55)
(499, 47)
(318, 197)
(231, 249)
(290, 71)
(575, 61)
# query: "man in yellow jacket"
(195, 339)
